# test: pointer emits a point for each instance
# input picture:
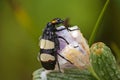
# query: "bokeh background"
(22, 21)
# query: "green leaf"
(97, 24)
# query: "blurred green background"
(22, 21)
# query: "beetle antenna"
(66, 22)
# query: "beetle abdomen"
(48, 61)
(48, 54)
(46, 44)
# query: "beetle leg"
(65, 58)
(58, 65)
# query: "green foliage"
(97, 24)
(22, 21)
(69, 74)
(103, 62)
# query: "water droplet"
(118, 76)
(99, 61)
(113, 66)
(107, 65)
(94, 61)
(102, 73)
(111, 73)
(117, 72)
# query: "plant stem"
(116, 49)
(92, 37)
(90, 68)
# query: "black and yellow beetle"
(49, 44)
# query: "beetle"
(49, 44)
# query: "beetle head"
(57, 21)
